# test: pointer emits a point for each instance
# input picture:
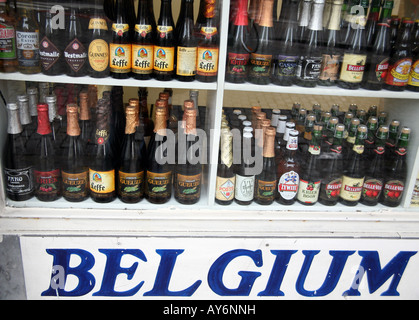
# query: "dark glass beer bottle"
(145, 121)
(354, 172)
(8, 54)
(164, 47)
(188, 175)
(17, 167)
(413, 83)
(46, 168)
(372, 21)
(75, 173)
(131, 174)
(376, 170)
(143, 43)
(245, 180)
(98, 48)
(102, 163)
(396, 174)
(120, 46)
(158, 188)
(226, 179)
(51, 48)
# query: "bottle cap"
(73, 128)
(43, 120)
(247, 135)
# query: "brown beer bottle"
(145, 121)
(226, 179)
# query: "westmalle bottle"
(226, 179)
(51, 48)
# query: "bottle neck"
(375, 10)
(266, 17)
(44, 127)
(242, 15)
(387, 11)
(227, 149)
(335, 17)
(14, 125)
(165, 12)
(143, 12)
(305, 14)
(316, 22)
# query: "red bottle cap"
(44, 126)
(242, 15)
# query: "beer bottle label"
(49, 53)
(164, 58)
(288, 185)
(260, 64)
(7, 42)
(186, 61)
(286, 66)
(330, 191)
(75, 55)
(372, 188)
(207, 62)
(142, 59)
(265, 190)
(158, 184)
(209, 32)
(27, 45)
(99, 55)
(131, 184)
(98, 23)
(398, 73)
(143, 30)
(353, 67)
(120, 57)
(308, 191)
(330, 67)
(414, 75)
(47, 183)
(381, 70)
(75, 185)
(351, 188)
(244, 189)
(393, 190)
(225, 188)
(162, 31)
(238, 63)
(19, 181)
(188, 187)
(120, 28)
(102, 181)
(308, 68)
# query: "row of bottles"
(130, 46)
(326, 43)
(312, 157)
(120, 155)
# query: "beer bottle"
(261, 60)
(99, 37)
(17, 167)
(285, 62)
(332, 164)
(372, 21)
(304, 22)
(391, 142)
(413, 83)
(158, 187)
(207, 56)
(376, 170)
(400, 60)
(310, 178)
(394, 30)
(354, 172)
(288, 172)
(75, 173)
(120, 46)
(245, 180)
(308, 70)
(188, 176)
(46, 169)
(8, 56)
(102, 163)
(396, 175)
(50, 48)
(164, 47)
(131, 173)
(226, 179)
(238, 53)
(143, 43)
(27, 42)
(186, 45)
(266, 181)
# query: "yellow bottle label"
(207, 61)
(164, 58)
(351, 188)
(186, 61)
(142, 59)
(414, 75)
(142, 29)
(120, 28)
(225, 188)
(98, 23)
(99, 55)
(120, 57)
(102, 181)
(353, 67)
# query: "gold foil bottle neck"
(84, 106)
(269, 143)
(266, 17)
(190, 121)
(73, 128)
(131, 119)
(161, 117)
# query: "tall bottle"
(310, 178)
(102, 163)
(372, 21)
(17, 167)
(288, 172)
(308, 70)
(376, 170)
(143, 43)
(27, 42)
(164, 47)
(286, 60)
(120, 46)
(354, 172)
(186, 45)
(238, 52)
(331, 58)
(158, 187)
(400, 60)
(245, 180)
(207, 56)
(8, 54)
(261, 60)
(98, 48)
(413, 83)
(131, 174)
(396, 175)
(188, 175)
(266, 181)
(51, 48)
(226, 179)
(145, 121)
(47, 172)
(75, 173)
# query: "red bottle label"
(398, 73)
(393, 190)
(47, 183)
(372, 189)
(237, 63)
